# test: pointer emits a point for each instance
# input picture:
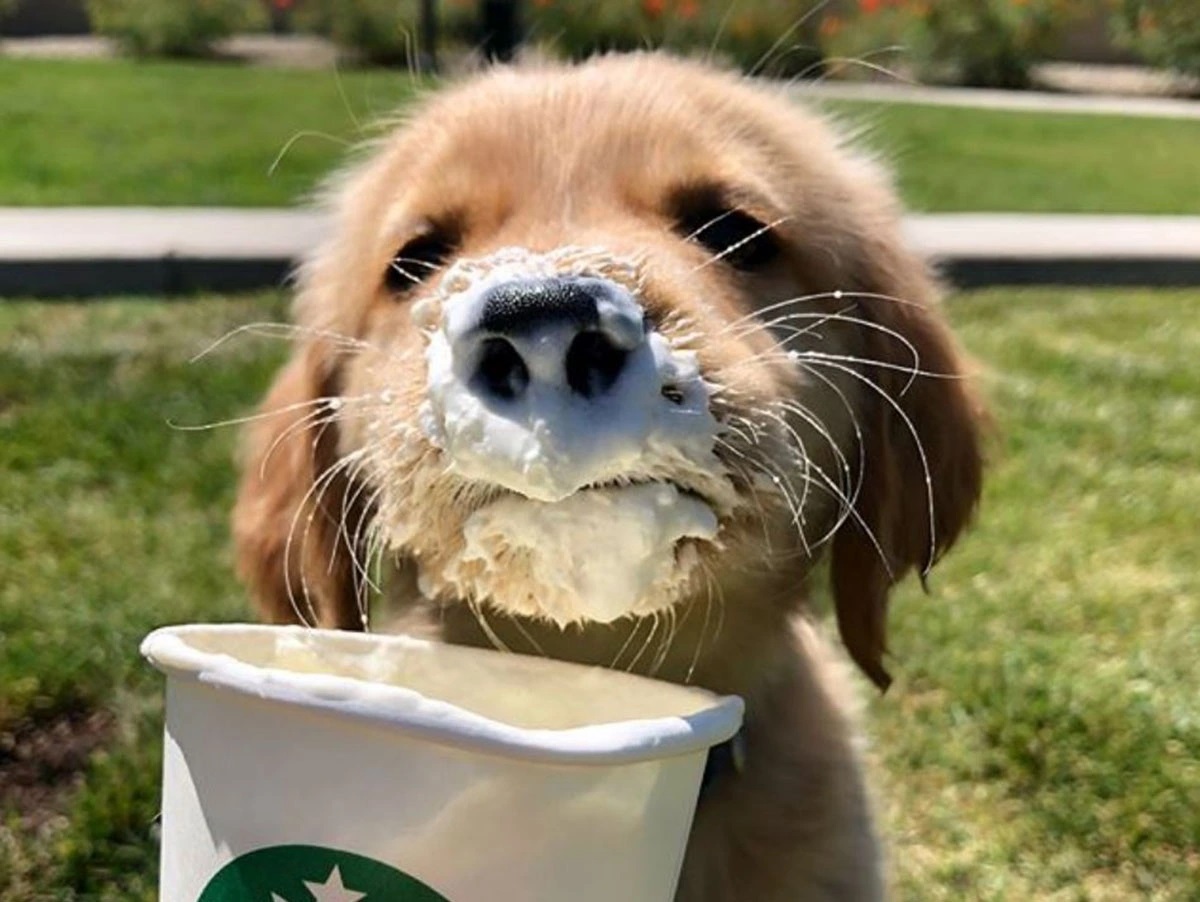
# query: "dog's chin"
(600, 554)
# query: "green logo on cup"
(313, 874)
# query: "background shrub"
(772, 36)
(981, 43)
(991, 43)
(872, 39)
(1164, 32)
(173, 27)
(385, 32)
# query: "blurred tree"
(429, 36)
(501, 25)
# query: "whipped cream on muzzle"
(596, 555)
(594, 524)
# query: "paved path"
(976, 249)
(98, 251)
(1119, 79)
(139, 233)
(90, 251)
(983, 98)
(284, 51)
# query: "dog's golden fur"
(872, 401)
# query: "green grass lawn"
(1043, 737)
(165, 133)
(121, 133)
(964, 160)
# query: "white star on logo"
(333, 890)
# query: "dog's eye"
(733, 236)
(417, 261)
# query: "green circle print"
(313, 874)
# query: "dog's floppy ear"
(298, 524)
(294, 515)
(921, 454)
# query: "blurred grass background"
(1043, 738)
(169, 133)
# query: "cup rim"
(407, 711)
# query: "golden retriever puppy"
(599, 363)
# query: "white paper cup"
(312, 764)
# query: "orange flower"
(654, 8)
(869, 6)
(687, 9)
(830, 26)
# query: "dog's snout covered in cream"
(600, 362)
(580, 404)
(554, 432)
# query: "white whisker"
(912, 431)
(281, 330)
(481, 619)
(739, 244)
(799, 23)
(283, 151)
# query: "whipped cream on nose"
(559, 386)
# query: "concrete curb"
(1012, 101)
(94, 251)
(975, 250)
(89, 252)
(169, 276)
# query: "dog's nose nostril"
(501, 372)
(593, 363)
(528, 339)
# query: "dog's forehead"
(602, 130)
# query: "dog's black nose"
(577, 331)
(519, 308)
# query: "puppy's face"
(605, 340)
